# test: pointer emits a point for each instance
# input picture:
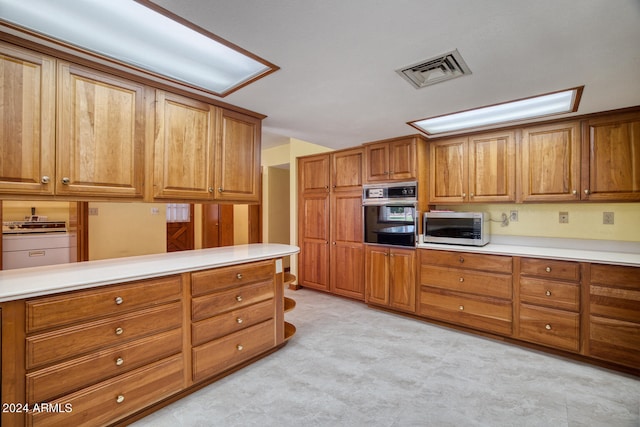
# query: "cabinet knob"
(239, 276)
(239, 347)
(334, 243)
(574, 192)
(120, 398)
(548, 293)
(461, 307)
(587, 192)
(548, 269)
(45, 179)
(119, 361)
(119, 331)
(464, 194)
(119, 300)
(471, 195)
(210, 189)
(239, 320)
(547, 327)
(66, 180)
(461, 279)
(461, 260)
(239, 298)
(221, 190)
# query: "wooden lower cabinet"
(614, 314)
(472, 290)
(390, 277)
(99, 356)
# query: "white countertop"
(565, 249)
(37, 281)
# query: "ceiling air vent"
(435, 70)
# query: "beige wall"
(585, 220)
(17, 210)
(126, 229)
(240, 224)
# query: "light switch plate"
(607, 218)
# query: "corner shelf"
(289, 304)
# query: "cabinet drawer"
(561, 270)
(232, 299)
(562, 295)
(547, 326)
(55, 346)
(475, 282)
(618, 276)
(490, 314)
(113, 399)
(615, 340)
(45, 384)
(226, 323)
(46, 313)
(623, 304)
(496, 263)
(203, 282)
(217, 356)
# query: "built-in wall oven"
(389, 213)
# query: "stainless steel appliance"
(456, 228)
(389, 213)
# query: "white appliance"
(37, 243)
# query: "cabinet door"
(402, 273)
(238, 158)
(184, 145)
(346, 170)
(313, 235)
(551, 162)
(27, 136)
(492, 168)
(611, 158)
(377, 162)
(448, 179)
(313, 174)
(377, 275)
(101, 134)
(402, 159)
(347, 249)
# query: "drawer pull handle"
(548, 293)
(239, 298)
(119, 331)
(461, 260)
(461, 307)
(119, 300)
(461, 279)
(547, 327)
(239, 276)
(120, 398)
(548, 269)
(240, 347)
(119, 361)
(239, 320)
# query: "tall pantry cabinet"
(330, 222)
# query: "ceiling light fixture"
(143, 35)
(565, 101)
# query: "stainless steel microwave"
(456, 228)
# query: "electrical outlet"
(93, 211)
(563, 218)
(607, 217)
(155, 211)
(513, 216)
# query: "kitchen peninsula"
(104, 341)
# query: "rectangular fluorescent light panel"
(524, 109)
(132, 33)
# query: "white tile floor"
(349, 365)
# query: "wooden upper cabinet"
(449, 171)
(313, 174)
(392, 160)
(237, 166)
(101, 134)
(346, 169)
(492, 167)
(611, 158)
(184, 147)
(551, 162)
(27, 135)
(480, 168)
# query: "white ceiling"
(337, 85)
